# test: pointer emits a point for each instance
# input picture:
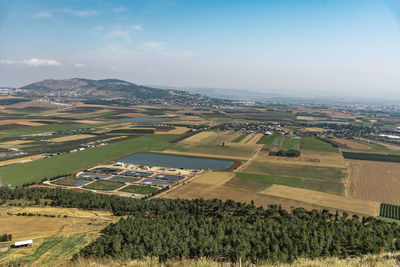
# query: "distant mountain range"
(113, 90)
(108, 88)
(232, 94)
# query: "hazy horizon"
(321, 48)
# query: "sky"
(324, 48)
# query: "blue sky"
(295, 47)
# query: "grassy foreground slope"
(20, 174)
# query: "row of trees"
(5, 237)
(371, 156)
(285, 153)
(390, 211)
(221, 230)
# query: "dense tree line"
(371, 156)
(5, 237)
(220, 230)
(285, 153)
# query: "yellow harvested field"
(211, 138)
(89, 122)
(189, 120)
(213, 178)
(251, 139)
(23, 122)
(177, 130)
(71, 137)
(305, 118)
(198, 137)
(331, 201)
(33, 227)
(15, 142)
(20, 160)
(352, 144)
(312, 130)
(309, 158)
(373, 180)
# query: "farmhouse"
(24, 243)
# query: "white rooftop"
(23, 243)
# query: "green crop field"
(390, 211)
(302, 171)
(240, 138)
(49, 128)
(35, 171)
(271, 141)
(65, 181)
(323, 186)
(291, 144)
(314, 144)
(269, 179)
(140, 189)
(104, 185)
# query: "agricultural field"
(297, 170)
(314, 144)
(390, 211)
(214, 178)
(210, 138)
(67, 163)
(71, 137)
(262, 180)
(327, 159)
(332, 201)
(215, 144)
(56, 239)
(251, 138)
(352, 144)
(291, 143)
(104, 185)
(240, 138)
(21, 160)
(140, 189)
(372, 180)
(272, 141)
(324, 179)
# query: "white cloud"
(79, 65)
(41, 15)
(40, 62)
(119, 9)
(137, 27)
(82, 13)
(155, 45)
(7, 61)
(35, 62)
